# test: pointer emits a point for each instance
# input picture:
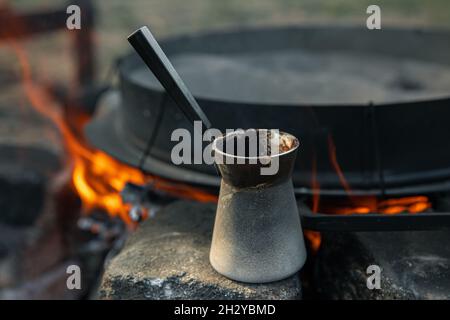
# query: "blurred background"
(51, 54)
(45, 76)
(115, 19)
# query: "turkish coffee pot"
(257, 233)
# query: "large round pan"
(380, 148)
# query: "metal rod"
(374, 221)
(151, 53)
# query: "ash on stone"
(168, 258)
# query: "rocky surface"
(34, 251)
(25, 173)
(168, 258)
(31, 152)
(414, 265)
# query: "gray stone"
(31, 153)
(24, 177)
(168, 258)
(414, 265)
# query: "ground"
(167, 258)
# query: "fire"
(365, 205)
(314, 237)
(97, 178)
(356, 205)
(336, 166)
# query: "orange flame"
(315, 186)
(354, 204)
(314, 237)
(336, 166)
(96, 177)
(365, 205)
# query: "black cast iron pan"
(389, 148)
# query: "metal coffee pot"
(257, 234)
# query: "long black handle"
(151, 53)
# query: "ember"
(356, 204)
(97, 177)
(365, 205)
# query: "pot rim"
(236, 132)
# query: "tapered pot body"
(257, 234)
